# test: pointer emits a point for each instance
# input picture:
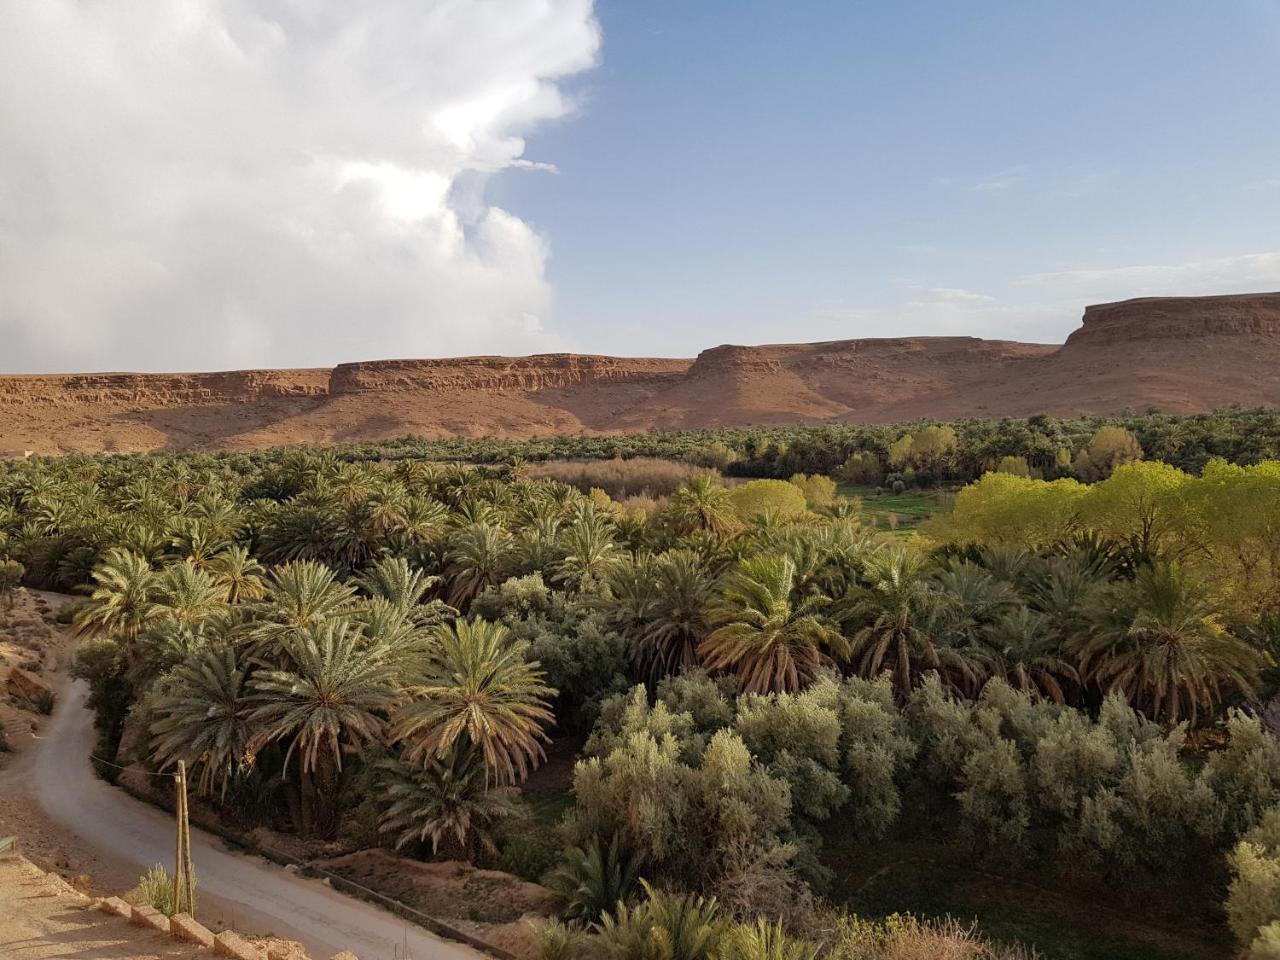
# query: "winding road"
(245, 892)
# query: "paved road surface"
(249, 893)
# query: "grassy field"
(1060, 920)
(900, 512)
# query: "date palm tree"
(300, 596)
(701, 503)
(123, 599)
(333, 699)
(477, 691)
(1023, 649)
(763, 940)
(894, 621)
(201, 712)
(594, 879)
(393, 579)
(239, 574)
(588, 548)
(678, 615)
(187, 596)
(1159, 640)
(773, 644)
(448, 800)
(479, 556)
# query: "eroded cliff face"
(548, 371)
(162, 389)
(1180, 354)
(1244, 316)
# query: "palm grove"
(1052, 674)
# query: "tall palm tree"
(447, 800)
(239, 574)
(300, 596)
(394, 580)
(187, 596)
(702, 503)
(1023, 649)
(1160, 641)
(895, 624)
(332, 700)
(479, 556)
(122, 601)
(478, 691)
(201, 712)
(589, 549)
(678, 616)
(772, 643)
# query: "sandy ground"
(43, 920)
(71, 821)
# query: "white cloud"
(211, 183)
(1252, 272)
(1046, 307)
(1001, 180)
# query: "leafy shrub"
(1253, 899)
(775, 498)
(527, 849)
(594, 880)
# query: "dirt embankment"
(1181, 355)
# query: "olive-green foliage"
(773, 498)
(593, 880)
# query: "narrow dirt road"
(246, 892)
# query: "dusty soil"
(30, 640)
(45, 919)
(487, 903)
(1180, 355)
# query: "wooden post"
(176, 899)
(183, 879)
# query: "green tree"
(448, 800)
(772, 643)
(332, 699)
(477, 691)
(1160, 641)
(201, 715)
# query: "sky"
(212, 184)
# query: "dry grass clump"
(155, 887)
(638, 476)
(906, 938)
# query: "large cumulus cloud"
(201, 184)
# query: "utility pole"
(184, 884)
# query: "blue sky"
(219, 184)
(775, 171)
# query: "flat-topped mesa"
(1179, 318)
(733, 359)
(547, 371)
(162, 389)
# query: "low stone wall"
(182, 927)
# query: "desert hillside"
(1176, 354)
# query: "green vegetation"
(156, 888)
(1050, 685)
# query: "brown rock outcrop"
(1179, 354)
(27, 686)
